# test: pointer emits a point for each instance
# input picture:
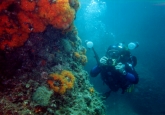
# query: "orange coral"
(25, 22)
(57, 84)
(60, 83)
(37, 23)
(77, 55)
(28, 5)
(32, 16)
(31, 22)
(17, 40)
(7, 25)
(44, 8)
(69, 78)
(59, 14)
(83, 59)
(5, 4)
(91, 90)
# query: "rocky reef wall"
(42, 60)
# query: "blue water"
(105, 22)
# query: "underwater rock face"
(33, 51)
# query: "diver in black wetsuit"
(117, 68)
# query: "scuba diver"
(117, 68)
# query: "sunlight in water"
(95, 10)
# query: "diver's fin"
(130, 88)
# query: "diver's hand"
(104, 60)
(121, 68)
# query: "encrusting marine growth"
(61, 82)
(19, 18)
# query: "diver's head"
(118, 51)
(113, 52)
